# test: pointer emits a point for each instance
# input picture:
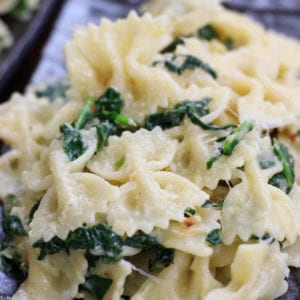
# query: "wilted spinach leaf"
(187, 62)
(214, 237)
(173, 117)
(173, 45)
(110, 101)
(53, 91)
(236, 136)
(33, 210)
(103, 244)
(96, 286)
(104, 131)
(85, 114)
(119, 164)
(163, 257)
(74, 146)
(208, 32)
(265, 237)
(100, 238)
(286, 178)
(229, 143)
(10, 259)
(12, 224)
(266, 164)
(188, 212)
(107, 116)
(109, 107)
(216, 204)
(165, 120)
(194, 116)
(54, 246)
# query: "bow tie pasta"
(168, 169)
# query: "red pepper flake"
(189, 222)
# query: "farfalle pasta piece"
(117, 273)
(73, 195)
(264, 208)
(248, 275)
(152, 149)
(190, 235)
(154, 199)
(60, 274)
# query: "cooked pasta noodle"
(187, 189)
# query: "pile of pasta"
(169, 169)
(19, 9)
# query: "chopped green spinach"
(208, 32)
(109, 107)
(236, 136)
(229, 44)
(168, 119)
(104, 131)
(165, 120)
(54, 246)
(53, 91)
(163, 256)
(230, 142)
(214, 237)
(9, 259)
(109, 120)
(33, 210)
(103, 244)
(122, 120)
(192, 109)
(110, 101)
(286, 178)
(100, 238)
(265, 237)
(21, 9)
(266, 164)
(85, 114)
(96, 286)
(216, 204)
(211, 161)
(141, 241)
(179, 63)
(188, 212)
(173, 45)
(120, 163)
(9, 202)
(194, 117)
(173, 117)
(74, 146)
(12, 224)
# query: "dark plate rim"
(26, 43)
